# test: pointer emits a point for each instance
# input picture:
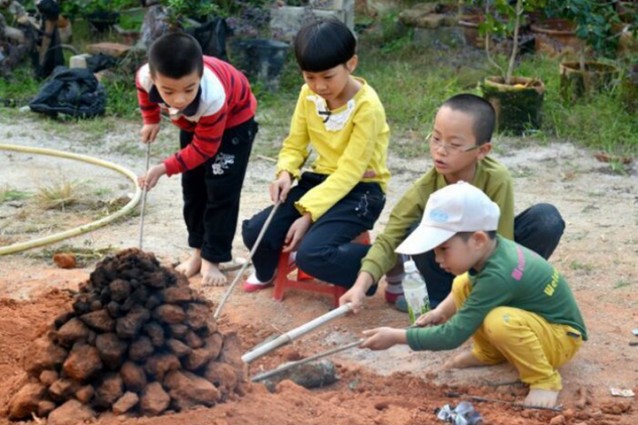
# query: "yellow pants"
(533, 345)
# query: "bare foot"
(463, 360)
(211, 275)
(192, 265)
(541, 398)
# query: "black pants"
(326, 250)
(211, 192)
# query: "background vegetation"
(411, 81)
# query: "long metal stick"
(144, 190)
(288, 366)
(289, 336)
(248, 262)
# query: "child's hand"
(354, 296)
(279, 188)
(152, 176)
(383, 338)
(297, 232)
(357, 293)
(149, 133)
(430, 318)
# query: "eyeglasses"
(449, 147)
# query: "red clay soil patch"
(359, 397)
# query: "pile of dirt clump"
(139, 339)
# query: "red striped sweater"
(224, 100)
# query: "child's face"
(453, 145)
(457, 255)
(178, 93)
(331, 84)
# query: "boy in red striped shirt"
(212, 104)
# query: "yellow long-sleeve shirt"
(351, 144)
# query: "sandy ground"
(598, 255)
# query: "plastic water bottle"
(415, 292)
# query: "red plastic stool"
(303, 281)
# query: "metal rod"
(144, 191)
(248, 262)
(291, 335)
(288, 366)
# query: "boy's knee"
(498, 326)
(548, 218)
(461, 288)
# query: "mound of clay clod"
(138, 340)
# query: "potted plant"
(254, 48)
(517, 100)
(594, 25)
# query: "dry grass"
(58, 195)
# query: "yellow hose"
(22, 246)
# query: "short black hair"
(175, 55)
(324, 44)
(480, 109)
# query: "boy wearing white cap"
(515, 305)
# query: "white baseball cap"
(458, 207)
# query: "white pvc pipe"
(21, 246)
(291, 335)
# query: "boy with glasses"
(459, 145)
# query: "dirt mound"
(137, 338)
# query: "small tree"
(594, 23)
(505, 19)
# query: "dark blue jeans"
(538, 228)
(326, 251)
(211, 192)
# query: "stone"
(70, 413)
(85, 394)
(141, 348)
(169, 313)
(120, 290)
(61, 389)
(125, 403)
(111, 349)
(79, 61)
(99, 320)
(130, 325)
(188, 390)
(197, 315)
(154, 400)
(48, 377)
(160, 364)
(72, 331)
(177, 294)
(223, 376)
(45, 407)
(43, 354)
(83, 363)
(155, 332)
(110, 49)
(178, 348)
(192, 340)
(25, 401)
(109, 391)
(133, 376)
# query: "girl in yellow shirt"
(342, 119)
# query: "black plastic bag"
(212, 37)
(75, 92)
